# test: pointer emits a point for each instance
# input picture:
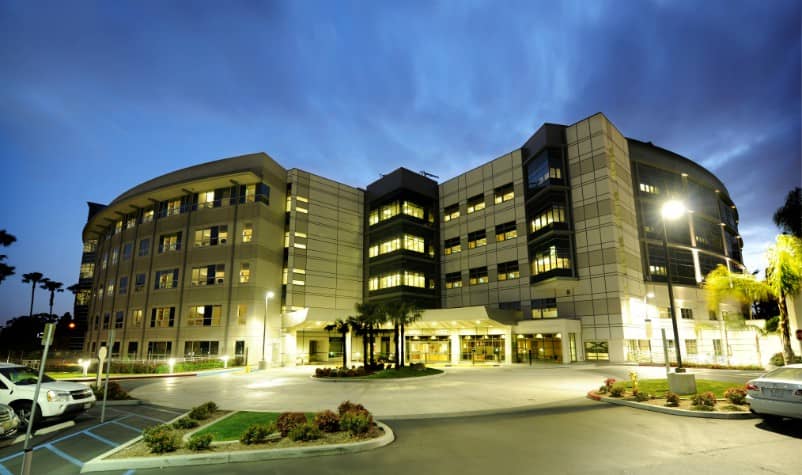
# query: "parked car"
(57, 399)
(9, 422)
(777, 393)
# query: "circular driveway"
(460, 390)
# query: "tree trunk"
(403, 345)
(785, 332)
(372, 346)
(365, 349)
(396, 350)
(33, 289)
(345, 348)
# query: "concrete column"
(347, 349)
(455, 349)
(508, 346)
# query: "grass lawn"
(659, 387)
(405, 372)
(231, 428)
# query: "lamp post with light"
(672, 210)
(263, 362)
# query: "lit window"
(90, 245)
(373, 217)
(646, 188)
(299, 245)
(288, 205)
(414, 243)
(115, 253)
(477, 276)
(173, 207)
(247, 232)
(411, 209)
(302, 199)
(169, 242)
(284, 276)
(299, 234)
(503, 193)
(544, 308)
(136, 317)
(414, 279)
(204, 315)
(298, 282)
(147, 216)
(301, 210)
(452, 246)
(555, 214)
(508, 270)
(209, 275)
(476, 203)
(451, 212)
(166, 279)
(162, 317)
(506, 231)
(477, 239)
(244, 272)
(118, 226)
(454, 280)
(87, 269)
(206, 199)
(110, 288)
(549, 259)
(250, 193)
(211, 236)
(287, 239)
(657, 270)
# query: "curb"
(671, 410)
(356, 379)
(101, 463)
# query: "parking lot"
(58, 450)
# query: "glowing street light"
(263, 362)
(670, 211)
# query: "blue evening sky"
(98, 96)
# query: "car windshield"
(785, 373)
(23, 375)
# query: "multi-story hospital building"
(553, 251)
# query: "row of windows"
(504, 232)
(395, 208)
(478, 275)
(396, 279)
(160, 349)
(164, 317)
(206, 199)
(214, 274)
(555, 214)
(408, 241)
(209, 236)
(477, 203)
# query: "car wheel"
(23, 410)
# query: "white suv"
(57, 399)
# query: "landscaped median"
(713, 399)
(208, 435)
(377, 371)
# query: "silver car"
(777, 393)
(9, 422)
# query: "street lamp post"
(263, 362)
(672, 210)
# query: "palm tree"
(32, 278)
(784, 277)
(361, 329)
(411, 315)
(721, 284)
(341, 327)
(394, 311)
(372, 316)
(788, 217)
(52, 286)
(5, 241)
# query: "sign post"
(27, 457)
(108, 373)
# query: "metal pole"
(665, 350)
(263, 362)
(108, 372)
(679, 369)
(27, 457)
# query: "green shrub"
(736, 395)
(200, 442)
(185, 423)
(327, 421)
(778, 360)
(161, 439)
(199, 413)
(618, 389)
(356, 421)
(672, 399)
(288, 421)
(608, 383)
(115, 392)
(641, 396)
(418, 366)
(211, 406)
(257, 433)
(707, 399)
(602, 389)
(305, 432)
(346, 406)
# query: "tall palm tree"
(788, 217)
(5, 241)
(32, 278)
(52, 286)
(394, 311)
(361, 329)
(341, 327)
(784, 277)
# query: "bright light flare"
(673, 209)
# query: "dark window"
(686, 313)
(128, 249)
(139, 283)
(544, 169)
(544, 308)
(144, 247)
(123, 285)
